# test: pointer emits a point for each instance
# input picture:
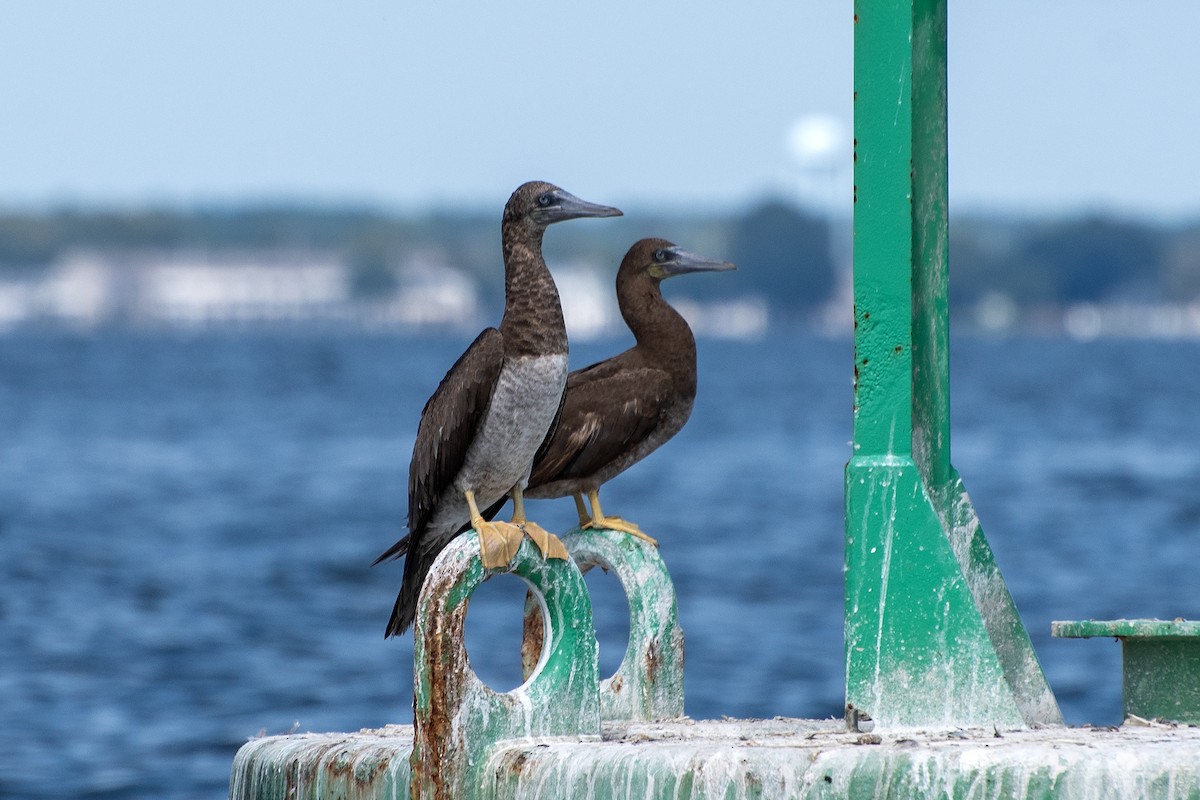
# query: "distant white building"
(201, 289)
(745, 318)
(88, 289)
(197, 289)
(430, 293)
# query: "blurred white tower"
(820, 146)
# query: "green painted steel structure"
(550, 738)
(932, 635)
(459, 722)
(1160, 664)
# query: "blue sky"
(1056, 106)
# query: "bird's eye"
(660, 256)
(545, 200)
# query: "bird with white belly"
(481, 429)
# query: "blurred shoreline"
(1082, 278)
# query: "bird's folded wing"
(600, 421)
(449, 423)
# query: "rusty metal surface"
(819, 760)
(734, 759)
(457, 717)
(356, 766)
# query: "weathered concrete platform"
(779, 758)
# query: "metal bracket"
(1160, 664)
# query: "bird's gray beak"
(567, 206)
(681, 262)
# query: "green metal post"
(932, 636)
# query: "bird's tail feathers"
(395, 551)
(416, 568)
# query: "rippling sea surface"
(186, 525)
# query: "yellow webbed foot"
(498, 543)
(618, 524)
(550, 545)
(598, 520)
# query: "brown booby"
(620, 410)
(480, 430)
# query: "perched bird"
(620, 410)
(480, 430)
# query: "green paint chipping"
(367, 764)
(1160, 664)
(932, 635)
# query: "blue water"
(186, 524)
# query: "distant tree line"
(1093, 258)
(783, 252)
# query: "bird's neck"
(661, 331)
(533, 321)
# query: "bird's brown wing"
(449, 423)
(605, 414)
(440, 448)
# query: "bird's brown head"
(658, 259)
(539, 204)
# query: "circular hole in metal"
(610, 610)
(493, 631)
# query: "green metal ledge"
(1160, 669)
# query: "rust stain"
(652, 661)
(432, 743)
(518, 763)
(367, 771)
(532, 638)
(293, 777)
(341, 764)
